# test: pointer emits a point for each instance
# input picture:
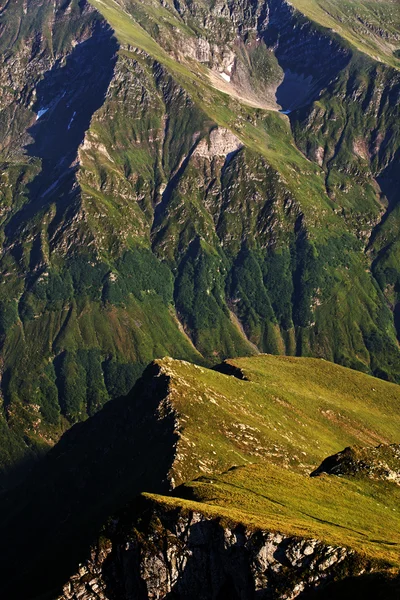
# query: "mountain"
(214, 181)
(227, 459)
(195, 179)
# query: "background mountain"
(154, 201)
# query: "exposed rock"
(320, 155)
(163, 551)
(199, 49)
(382, 462)
(221, 142)
(361, 149)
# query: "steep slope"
(95, 468)
(162, 549)
(65, 351)
(237, 447)
(161, 204)
(371, 26)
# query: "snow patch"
(72, 120)
(41, 112)
(51, 188)
(226, 77)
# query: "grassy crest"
(257, 439)
(237, 444)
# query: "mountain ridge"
(221, 446)
(309, 268)
(202, 181)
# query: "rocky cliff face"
(185, 554)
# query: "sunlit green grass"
(274, 428)
(292, 411)
(360, 514)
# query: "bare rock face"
(221, 142)
(197, 49)
(382, 462)
(185, 555)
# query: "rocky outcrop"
(382, 462)
(221, 142)
(186, 554)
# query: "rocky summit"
(199, 299)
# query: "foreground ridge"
(237, 453)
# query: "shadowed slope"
(95, 469)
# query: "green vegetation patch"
(293, 412)
(362, 515)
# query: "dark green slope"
(162, 206)
(353, 132)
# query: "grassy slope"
(361, 515)
(192, 424)
(370, 25)
(293, 411)
(290, 415)
(265, 133)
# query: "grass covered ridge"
(256, 442)
(362, 515)
(293, 412)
